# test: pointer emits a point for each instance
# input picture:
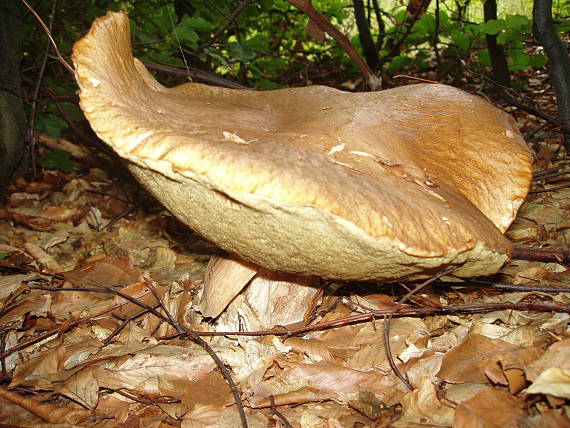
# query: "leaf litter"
(86, 259)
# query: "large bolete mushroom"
(387, 185)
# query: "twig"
(546, 172)
(405, 312)
(57, 102)
(396, 47)
(509, 99)
(194, 336)
(150, 401)
(510, 287)
(124, 322)
(552, 174)
(118, 217)
(151, 285)
(48, 32)
(278, 413)
(55, 331)
(324, 24)
(32, 137)
(415, 78)
(227, 376)
(132, 299)
(387, 318)
(29, 269)
(5, 378)
(229, 20)
(541, 255)
(551, 189)
(402, 376)
(197, 75)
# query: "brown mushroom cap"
(316, 181)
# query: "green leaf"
(266, 4)
(259, 42)
(421, 60)
(519, 60)
(266, 85)
(241, 51)
(57, 159)
(50, 124)
(462, 40)
(272, 65)
(218, 58)
(563, 27)
(185, 34)
(398, 63)
(425, 25)
(3, 255)
(197, 23)
(518, 23)
(493, 26)
(484, 58)
(443, 18)
(511, 36)
(537, 61)
(165, 18)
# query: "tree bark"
(559, 60)
(501, 74)
(12, 116)
(364, 34)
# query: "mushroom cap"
(315, 181)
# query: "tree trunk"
(559, 60)
(501, 74)
(12, 117)
(366, 41)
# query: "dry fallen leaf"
(469, 361)
(490, 408)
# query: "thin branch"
(324, 24)
(198, 75)
(551, 189)
(56, 331)
(29, 269)
(387, 318)
(124, 322)
(403, 377)
(278, 413)
(32, 137)
(194, 336)
(406, 312)
(5, 377)
(511, 100)
(541, 254)
(410, 25)
(511, 287)
(420, 79)
(229, 21)
(48, 32)
(150, 401)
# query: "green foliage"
(3, 255)
(57, 159)
(50, 124)
(266, 45)
(512, 32)
(459, 40)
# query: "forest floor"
(92, 269)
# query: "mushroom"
(313, 181)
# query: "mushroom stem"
(236, 292)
